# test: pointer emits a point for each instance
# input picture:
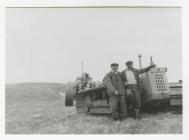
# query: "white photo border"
(96, 3)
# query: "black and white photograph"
(93, 70)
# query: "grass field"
(34, 109)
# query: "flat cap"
(114, 64)
(129, 62)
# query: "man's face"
(130, 66)
(114, 68)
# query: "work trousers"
(133, 95)
(118, 106)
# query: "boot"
(137, 113)
(115, 116)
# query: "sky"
(49, 44)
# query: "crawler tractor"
(91, 98)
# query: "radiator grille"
(160, 82)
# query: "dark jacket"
(136, 74)
(114, 82)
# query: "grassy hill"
(53, 86)
(33, 108)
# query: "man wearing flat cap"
(116, 92)
(130, 77)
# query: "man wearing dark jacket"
(130, 77)
(116, 92)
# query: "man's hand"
(115, 92)
(152, 66)
(126, 83)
